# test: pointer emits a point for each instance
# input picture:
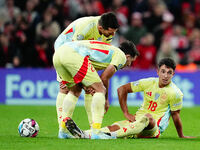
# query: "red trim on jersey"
(69, 31)
(64, 82)
(82, 71)
(101, 50)
(157, 136)
(158, 123)
(98, 42)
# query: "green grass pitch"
(47, 137)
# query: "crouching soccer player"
(162, 98)
(76, 63)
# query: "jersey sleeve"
(141, 85)
(176, 101)
(83, 30)
(118, 60)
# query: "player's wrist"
(126, 113)
(181, 136)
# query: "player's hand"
(130, 117)
(188, 137)
(62, 86)
(89, 90)
(107, 105)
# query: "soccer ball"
(28, 128)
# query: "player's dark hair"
(168, 62)
(129, 47)
(109, 20)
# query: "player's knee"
(151, 120)
(103, 89)
(99, 87)
(76, 90)
(149, 116)
(77, 93)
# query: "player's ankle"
(96, 126)
(63, 123)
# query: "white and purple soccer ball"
(28, 128)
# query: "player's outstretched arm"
(178, 124)
(105, 77)
(122, 95)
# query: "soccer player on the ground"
(76, 62)
(162, 98)
(100, 28)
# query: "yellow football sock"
(98, 103)
(133, 128)
(59, 103)
(88, 103)
(69, 104)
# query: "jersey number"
(152, 106)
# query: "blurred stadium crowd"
(159, 28)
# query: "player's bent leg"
(152, 122)
(151, 131)
(132, 128)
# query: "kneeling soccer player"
(162, 98)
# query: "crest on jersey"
(119, 66)
(80, 37)
(163, 98)
(157, 95)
